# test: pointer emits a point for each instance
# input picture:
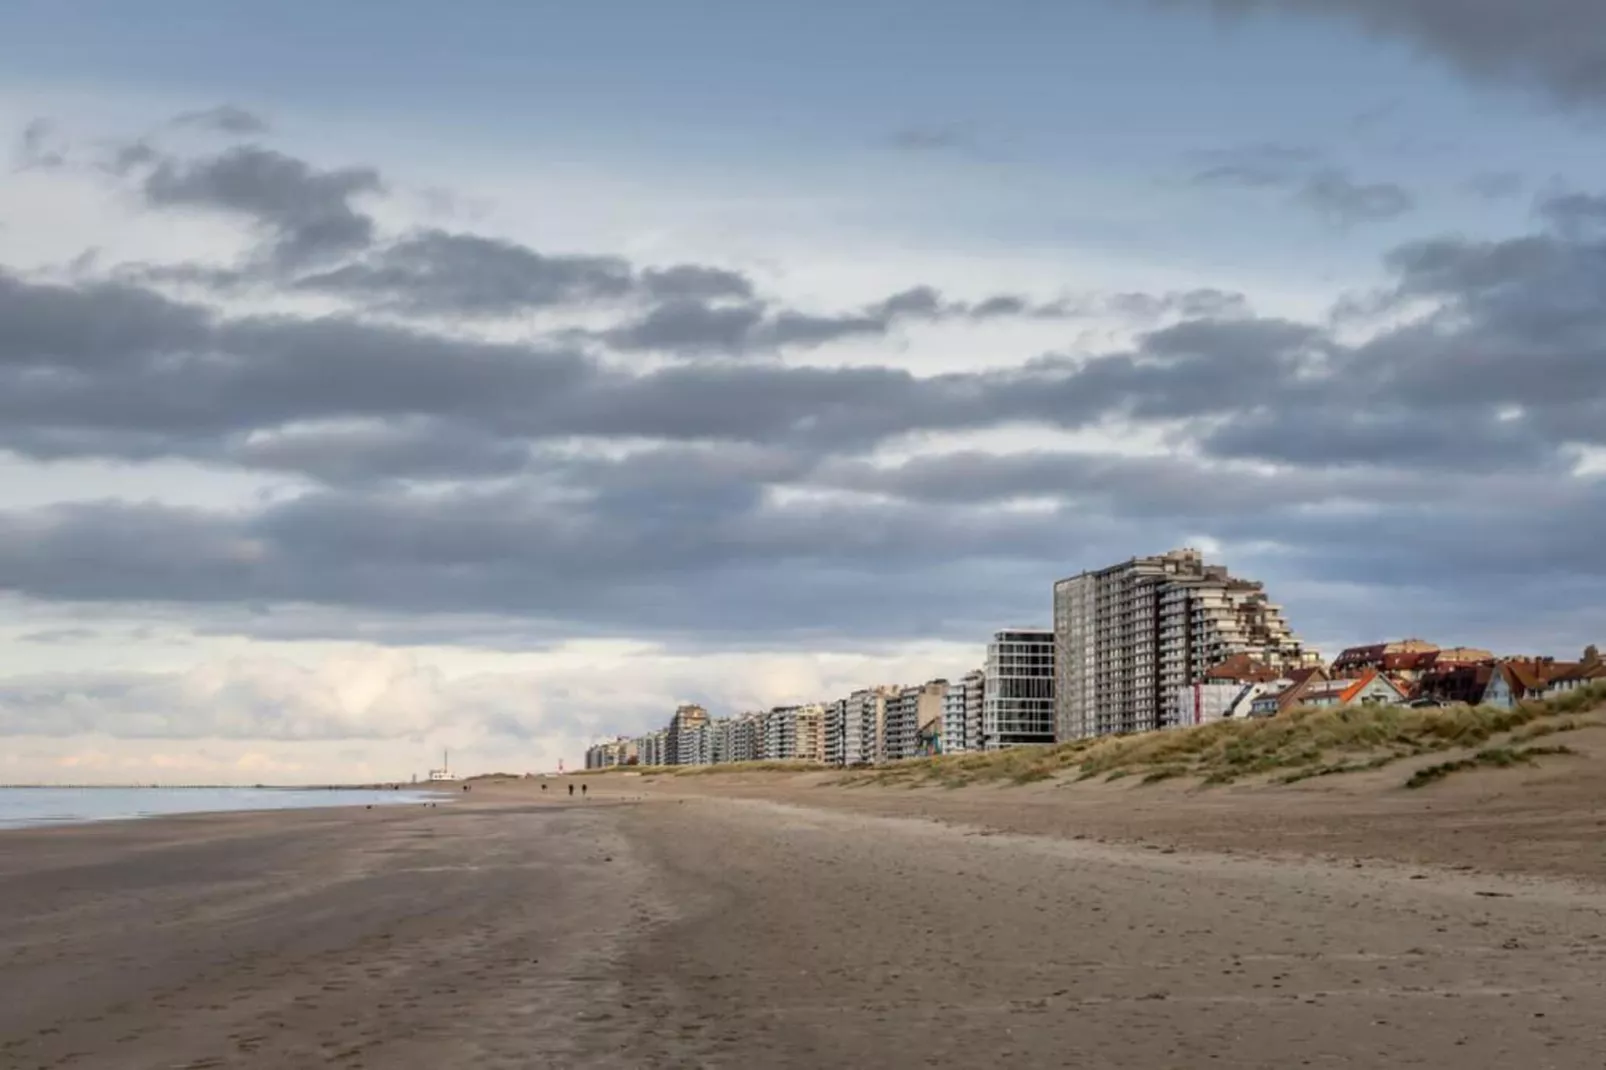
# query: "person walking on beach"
(571, 789)
(582, 791)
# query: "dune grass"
(1295, 746)
(1489, 758)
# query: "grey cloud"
(225, 118)
(1368, 118)
(131, 156)
(1556, 45)
(436, 272)
(1309, 180)
(1142, 487)
(1496, 185)
(1255, 166)
(439, 272)
(930, 138)
(1384, 436)
(1576, 215)
(922, 301)
(506, 553)
(178, 381)
(407, 448)
(757, 507)
(308, 212)
(705, 556)
(696, 282)
(318, 243)
(39, 147)
(237, 700)
(1339, 198)
(696, 326)
(54, 636)
(804, 329)
(1188, 304)
(1002, 305)
(690, 326)
(47, 326)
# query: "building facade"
(809, 732)
(780, 734)
(1018, 689)
(651, 748)
(962, 713)
(1207, 703)
(836, 732)
(912, 720)
(865, 726)
(1372, 688)
(686, 739)
(1130, 638)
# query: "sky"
(383, 378)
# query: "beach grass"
(1298, 745)
(1489, 758)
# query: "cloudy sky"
(377, 377)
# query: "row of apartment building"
(1008, 702)
(1154, 642)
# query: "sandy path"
(457, 936)
(821, 939)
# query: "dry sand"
(775, 922)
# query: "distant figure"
(543, 787)
(571, 789)
(465, 787)
(582, 791)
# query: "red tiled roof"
(1244, 669)
(1527, 675)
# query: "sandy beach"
(774, 921)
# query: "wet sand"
(397, 937)
(717, 922)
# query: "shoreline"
(232, 801)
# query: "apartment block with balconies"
(962, 713)
(1129, 639)
(836, 732)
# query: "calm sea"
(21, 807)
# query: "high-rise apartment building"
(747, 737)
(651, 748)
(865, 726)
(686, 739)
(1130, 638)
(913, 715)
(780, 734)
(721, 738)
(836, 732)
(1018, 700)
(962, 713)
(810, 733)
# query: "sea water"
(23, 807)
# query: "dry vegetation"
(1298, 745)
(1491, 757)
